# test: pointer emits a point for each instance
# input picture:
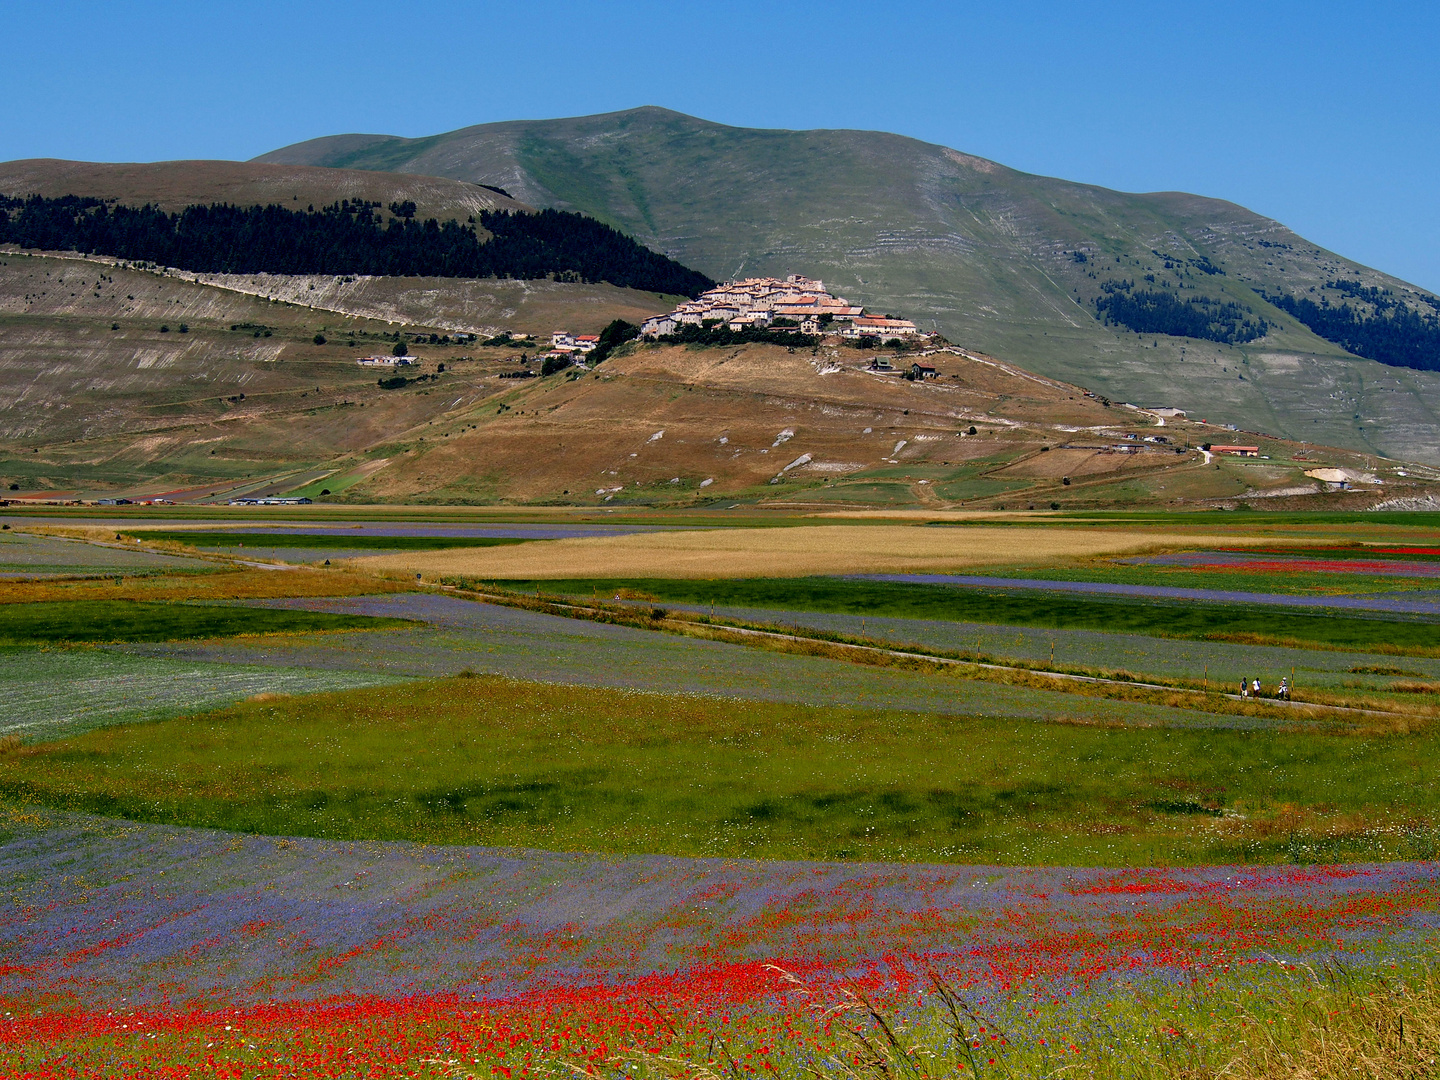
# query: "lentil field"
(319, 822)
(140, 950)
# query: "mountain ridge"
(174, 185)
(1009, 262)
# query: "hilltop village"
(796, 303)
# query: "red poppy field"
(192, 953)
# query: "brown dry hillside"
(471, 305)
(93, 289)
(103, 392)
(174, 185)
(670, 424)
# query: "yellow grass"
(793, 552)
(232, 585)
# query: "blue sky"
(1323, 115)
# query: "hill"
(173, 185)
(204, 387)
(1007, 262)
(665, 424)
(123, 380)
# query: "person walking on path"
(1244, 687)
(1255, 688)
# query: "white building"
(565, 342)
(884, 329)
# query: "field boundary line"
(1043, 673)
(596, 613)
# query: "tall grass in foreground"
(1326, 1023)
(1317, 1023)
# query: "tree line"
(1395, 334)
(1158, 311)
(346, 238)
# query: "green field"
(1429, 520)
(1296, 582)
(128, 620)
(500, 762)
(1161, 618)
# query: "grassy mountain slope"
(174, 185)
(986, 254)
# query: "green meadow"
(483, 760)
(66, 621)
(1245, 518)
(1295, 582)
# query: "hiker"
(1244, 687)
(1255, 689)
(1284, 694)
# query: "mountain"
(1025, 267)
(174, 185)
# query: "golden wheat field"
(788, 552)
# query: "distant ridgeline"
(346, 238)
(1391, 331)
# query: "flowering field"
(529, 645)
(319, 938)
(52, 693)
(24, 555)
(131, 948)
